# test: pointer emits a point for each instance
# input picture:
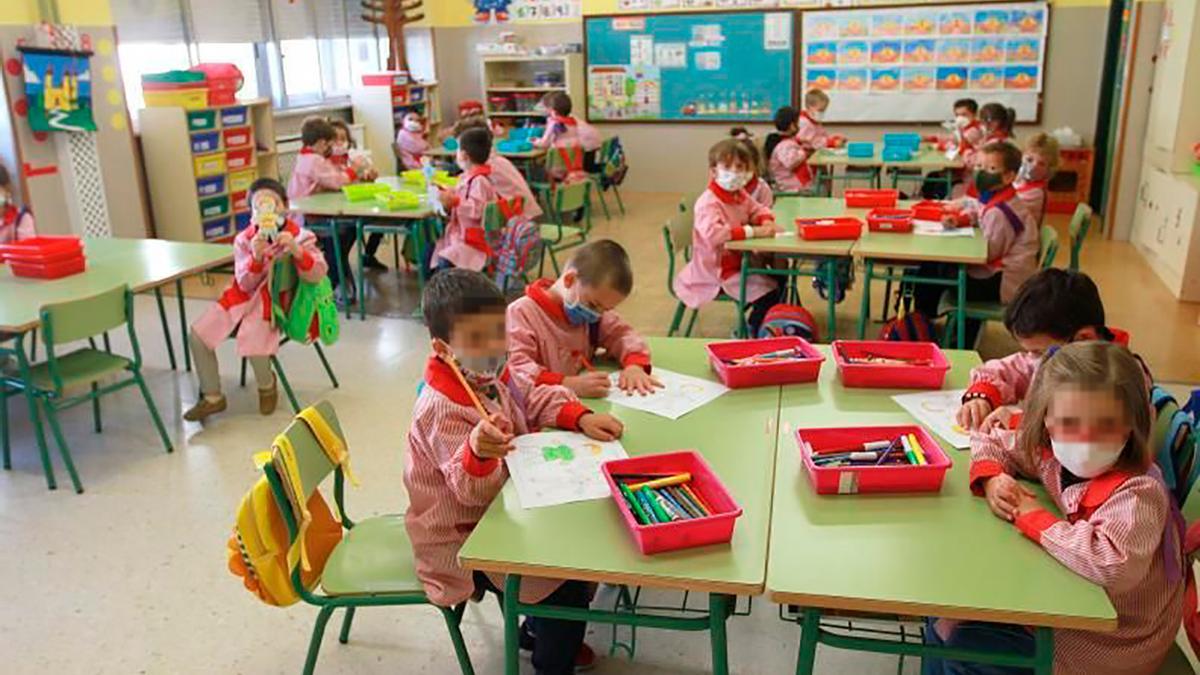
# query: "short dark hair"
(559, 102)
(1009, 154)
(5, 179)
(269, 184)
(785, 117)
(315, 129)
(345, 128)
(968, 103)
(1055, 302)
(454, 293)
(477, 144)
(603, 263)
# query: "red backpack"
(785, 320)
(909, 325)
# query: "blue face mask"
(579, 314)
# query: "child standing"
(411, 143)
(555, 330)
(463, 244)
(1085, 439)
(724, 213)
(462, 426)
(756, 187)
(16, 223)
(562, 129)
(244, 308)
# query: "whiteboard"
(909, 64)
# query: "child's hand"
(972, 413)
(999, 418)
(288, 242)
(1026, 502)
(588, 385)
(601, 427)
(445, 197)
(492, 438)
(259, 246)
(636, 379)
(369, 175)
(1004, 494)
(767, 229)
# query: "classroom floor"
(130, 576)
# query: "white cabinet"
(1166, 232)
(1174, 124)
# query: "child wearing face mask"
(798, 135)
(340, 156)
(1037, 166)
(1085, 438)
(411, 143)
(16, 223)
(724, 213)
(757, 188)
(556, 329)
(564, 130)
(997, 123)
(463, 243)
(463, 425)
(1008, 223)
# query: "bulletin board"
(909, 64)
(703, 67)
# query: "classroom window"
(301, 71)
(139, 58)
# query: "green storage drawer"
(214, 206)
(200, 120)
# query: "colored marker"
(640, 499)
(855, 447)
(681, 498)
(674, 503)
(677, 479)
(916, 446)
(659, 512)
(665, 506)
(634, 505)
(908, 451)
(698, 501)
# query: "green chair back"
(677, 236)
(312, 462)
(1049, 246)
(570, 197)
(1078, 229)
(686, 206)
(84, 318)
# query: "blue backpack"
(1174, 441)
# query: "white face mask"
(817, 115)
(1087, 459)
(962, 121)
(1030, 171)
(413, 125)
(731, 180)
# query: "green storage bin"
(398, 201)
(363, 192)
(201, 120)
(214, 206)
(176, 77)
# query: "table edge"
(629, 578)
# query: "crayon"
(634, 505)
(704, 508)
(681, 498)
(916, 446)
(674, 504)
(662, 482)
(659, 512)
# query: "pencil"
(470, 392)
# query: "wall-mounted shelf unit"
(380, 105)
(513, 85)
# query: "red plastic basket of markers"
(865, 198)
(758, 363)
(710, 509)
(890, 220)
(900, 471)
(890, 365)
(841, 227)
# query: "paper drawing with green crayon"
(559, 467)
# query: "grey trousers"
(210, 374)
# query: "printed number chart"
(937, 410)
(560, 467)
(680, 395)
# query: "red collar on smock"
(752, 185)
(563, 119)
(1002, 196)
(10, 214)
(484, 169)
(539, 292)
(441, 377)
(726, 196)
(1030, 185)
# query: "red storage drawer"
(236, 137)
(239, 201)
(842, 227)
(239, 159)
(866, 198)
(926, 365)
(724, 357)
(715, 528)
(890, 220)
(41, 250)
(841, 480)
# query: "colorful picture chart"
(923, 58)
(559, 467)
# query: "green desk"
(827, 253)
(525, 160)
(588, 541)
(942, 555)
(334, 206)
(927, 158)
(141, 264)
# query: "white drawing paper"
(931, 228)
(936, 410)
(680, 394)
(559, 467)
(777, 31)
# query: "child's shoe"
(372, 263)
(205, 407)
(268, 399)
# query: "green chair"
(557, 235)
(602, 175)
(677, 237)
(1078, 229)
(373, 564)
(56, 383)
(990, 310)
(277, 366)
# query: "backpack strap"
(289, 474)
(511, 208)
(329, 440)
(1013, 219)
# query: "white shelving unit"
(381, 103)
(529, 77)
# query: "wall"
(82, 12)
(1072, 91)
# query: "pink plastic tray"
(852, 480)
(784, 372)
(890, 376)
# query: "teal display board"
(728, 67)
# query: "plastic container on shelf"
(217, 228)
(178, 98)
(207, 141)
(206, 187)
(501, 103)
(841, 480)
(241, 180)
(716, 528)
(202, 120)
(869, 197)
(236, 137)
(239, 159)
(209, 165)
(890, 220)
(839, 227)
(235, 116)
(239, 202)
(526, 101)
(792, 371)
(241, 220)
(223, 81)
(927, 369)
(184, 79)
(212, 207)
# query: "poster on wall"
(909, 64)
(58, 89)
(526, 11)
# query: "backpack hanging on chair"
(1176, 454)
(613, 165)
(784, 320)
(909, 325)
(517, 245)
(303, 310)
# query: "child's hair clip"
(1052, 350)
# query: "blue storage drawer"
(242, 220)
(206, 142)
(217, 228)
(213, 185)
(233, 117)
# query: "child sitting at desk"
(1085, 438)
(798, 135)
(555, 330)
(16, 223)
(1012, 233)
(462, 426)
(244, 309)
(562, 129)
(341, 155)
(506, 177)
(756, 187)
(725, 213)
(463, 244)
(411, 143)
(997, 123)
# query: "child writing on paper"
(1085, 438)
(555, 330)
(244, 308)
(463, 244)
(16, 223)
(756, 187)
(1010, 227)
(411, 141)
(725, 213)
(462, 426)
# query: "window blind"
(148, 20)
(228, 21)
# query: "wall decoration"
(58, 88)
(526, 11)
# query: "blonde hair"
(1045, 145)
(815, 97)
(1092, 366)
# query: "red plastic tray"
(841, 227)
(873, 375)
(51, 270)
(866, 198)
(855, 479)
(890, 220)
(40, 250)
(715, 529)
(929, 210)
(784, 372)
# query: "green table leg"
(162, 316)
(362, 277)
(865, 310)
(743, 324)
(809, 635)
(512, 589)
(35, 414)
(831, 290)
(718, 612)
(961, 313)
(1043, 653)
(187, 350)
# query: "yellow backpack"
(258, 550)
